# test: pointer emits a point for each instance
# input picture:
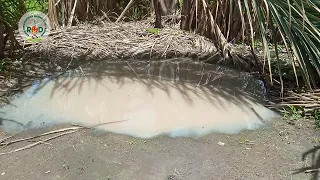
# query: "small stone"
(281, 133)
(48, 172)
(291, 123)
(286, 137)
(3, 173)
(221, 143)
(65, 166)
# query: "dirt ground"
(272, 152)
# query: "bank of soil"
(273, 152)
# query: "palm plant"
(10, 14)
(293, 23)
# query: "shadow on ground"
(314, 167)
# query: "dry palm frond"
(309, 101)
(124, 40)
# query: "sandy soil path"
(273, 152)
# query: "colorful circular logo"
(34, 26)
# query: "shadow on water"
(314, 167)
(210, 81)
(10, 120)
(195, 83)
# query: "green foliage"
(153, 30)
(181, 3)
(10, 14)
(2, 65)
(295, 21)
(37, 5)
(138, 11)
(291, 23)
(11, 11)
(295, 113)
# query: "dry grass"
(125, 40)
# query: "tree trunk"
(187, 20)
(68, 8)
(157, 9)
(163, 8)
(152, 11)
(2, 44)
(204, 24)
(52, 15)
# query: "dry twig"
(311, 170)
(40, 135)
(56, 131)
(37, 143)
(64, 130)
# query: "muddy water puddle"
(178, 98)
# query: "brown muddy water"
(173, 97)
